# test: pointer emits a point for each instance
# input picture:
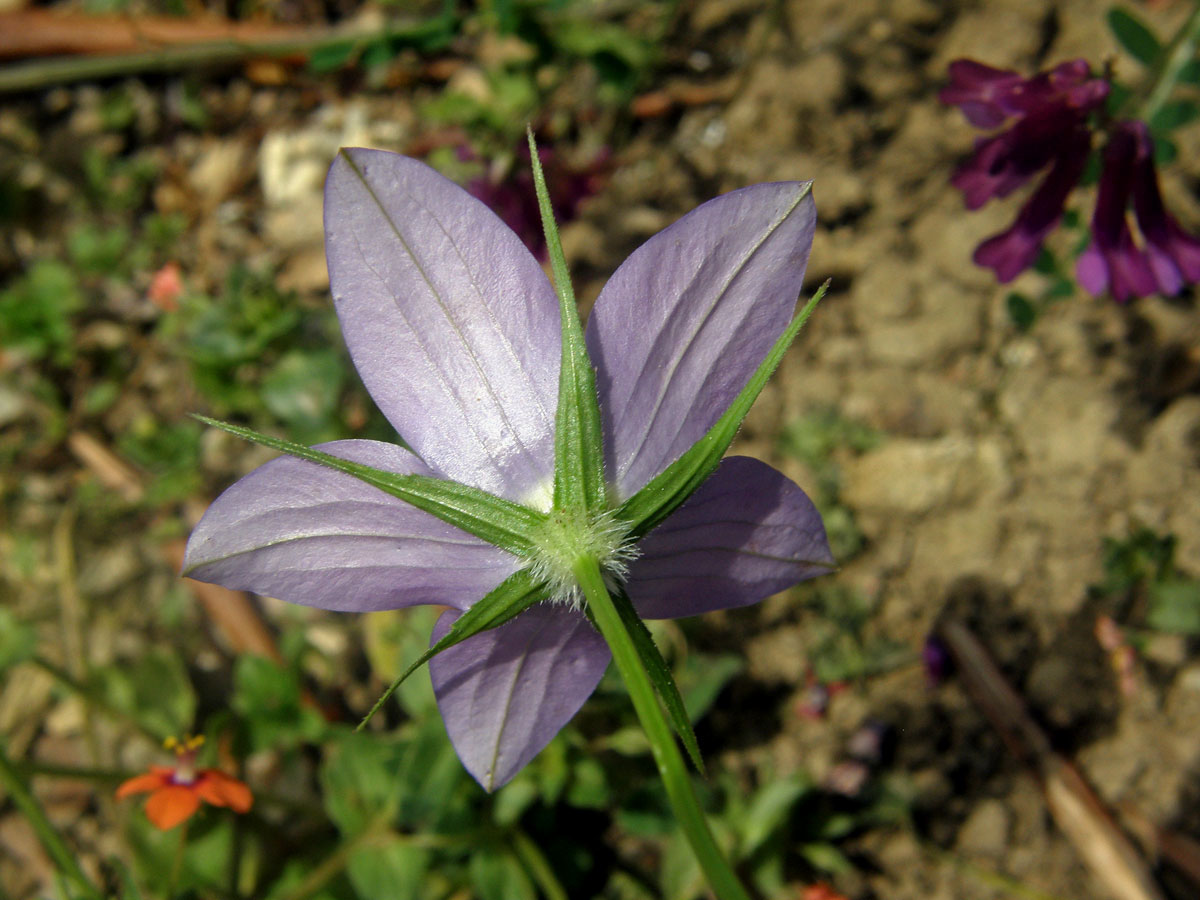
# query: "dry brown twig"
(1074, 806)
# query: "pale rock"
(1062, 423)
(955, 545)
(883, 292)
(777, 655)
(913, 476)
(1006, 38)
(220, 169)
(292, 167)
(985, 832)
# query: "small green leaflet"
(1134, 36)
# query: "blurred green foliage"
(1141, 578)
(815, 439)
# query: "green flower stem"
(671, 768)
(51, 840)
(1178, 54)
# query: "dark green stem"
(1180, 52)
(671, 767)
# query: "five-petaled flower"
(1051, 128)
(176, 791)
(456, 333)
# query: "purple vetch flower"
(1112, 259)
(1011, 252)
(512, 197)
(1051, 113)
(455, 331)
(1168, 258)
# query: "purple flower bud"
(936, 658)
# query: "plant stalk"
(671, 767)
(1178, 54)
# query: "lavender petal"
(450, 321)
(505, 693)
(709, 295)
(308, 534)
(747, 533)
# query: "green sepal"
(511, 597)
(579, 484)
(660, 674)
(500, 522)
(668, 490)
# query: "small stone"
(985, 833)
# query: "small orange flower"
(166, 286)
(820, 891)
(176, 791)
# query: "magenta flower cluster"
(1052, 120)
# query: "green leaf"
(1190, 73)
(1165, 151)
(768, 811)
(1021, 310)
(1134, 36)
(152, 689)
(332, 56)
(511, 597)
(497, 876)
(268, 697)
(358, 781)
(302, 389)
(395, 870)
(1175, 606)
(1174, 114)
(660, 674)
(18, 641)
(579, 484)
(827, 858)
(704, 677)
(667, 491)
(500, 522)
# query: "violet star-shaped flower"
(455, 331)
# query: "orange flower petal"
(221, 790)
(156, 778)
(171, 805)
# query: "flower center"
(566, 538)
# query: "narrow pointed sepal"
(579, 484)
(660, 676)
